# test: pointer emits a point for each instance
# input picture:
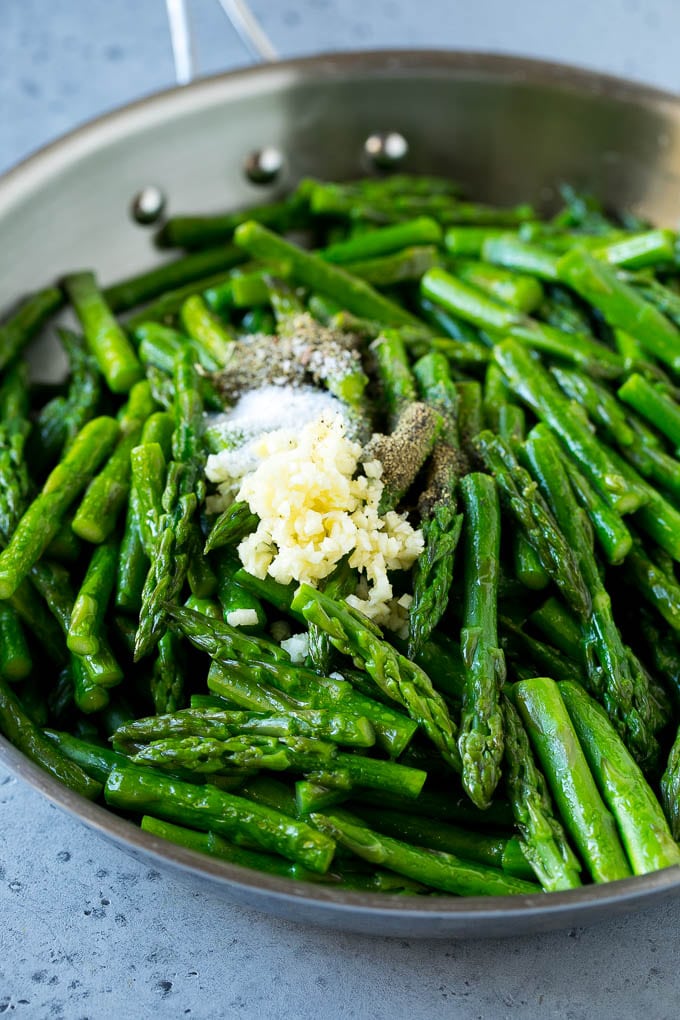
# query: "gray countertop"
(88, 932)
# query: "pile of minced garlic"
(315, 507)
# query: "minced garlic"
(316, 507)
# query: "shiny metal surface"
(508, 129)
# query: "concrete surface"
(85, 930)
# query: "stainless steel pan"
(509, 129)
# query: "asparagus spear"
(231, 526)
(403, 266)
(495, 851)
(177, 537)
(87, 616)
(512, 252)
(438, 870)
(643, 829)
(534, 386)
(14, 428)
(394, 372)
(342, 582)
(15, 657)
(41, 520)
(500, 319)
(167, 307)
(402, 680)
(600, 405)
(586, 817)
(658, 518)
(518, 290)
(27, 321)
(612, 534)
(441, 524)
(525, 652)
(314, 724)
(136, 290)
(481, 732)
(275, 687)
(60, 420)
(670, 787)
(209, 809)
(105, 338)
(147, 478)
(653, 404)
(203, 231)
(614, 673)
(94, 759)
(544, 843)
(52, 582)
(654, 584)
(384, 241)
(19, 729)
(521, 496)
(207, 329)
(96, 517)
(311, 271)
(621, 305)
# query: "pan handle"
(242, 19)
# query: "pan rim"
(106, 128)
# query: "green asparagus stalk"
(520, 495)
(481, 731)
(610, 531)
(311, 271)
(313, 724)
(543, 840)
(207, 329)
(87, 616)
(585, 815)
(441, 524)
(653, 404)
(105, 338)
(136, 290)
(384, 241)
(96, 517)
(621, 305)
(520, 291)
(512, 252)
(643, 829)
(600, 405)
(273, 687)
(500, 319)
(27, 321)
(438, 870)
(534, 386)
(18, 728)
(203, 231)
(495, 851)
(209, 809)
(41, 521)
(646, 248)
(670, 787)
(15, 657)
(394, 372)
(659, 588)
(178, 536)
(402, 680)
(615, 675)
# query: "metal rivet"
(386, 149)
(264, 165)
(148, 205)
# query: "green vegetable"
(586, 817)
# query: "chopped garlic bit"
(315, 509)
(242, 618)
(297, 647)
